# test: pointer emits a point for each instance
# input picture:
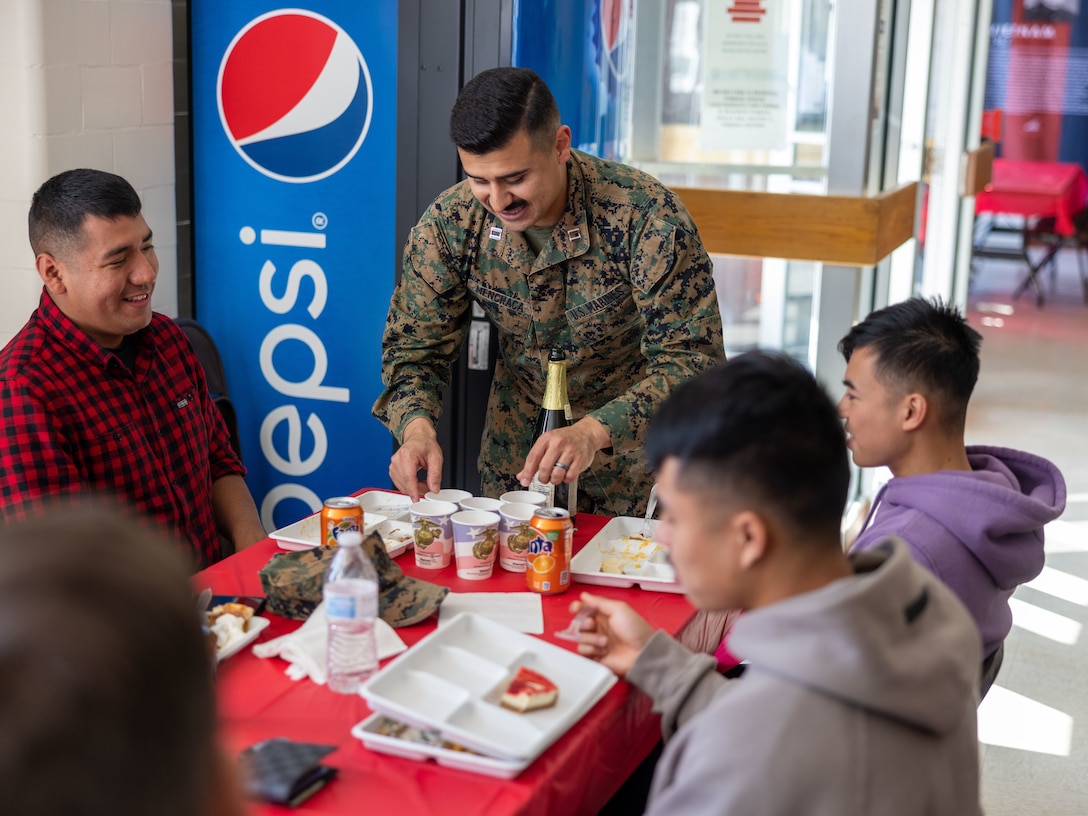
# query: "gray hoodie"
(859, 699)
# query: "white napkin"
(520, 611)
(306, 648)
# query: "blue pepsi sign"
(299, 119)
(294, 139)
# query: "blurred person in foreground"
(561, 250)
(972, 515)
(100, 394)
(862, 678)
(107, 704)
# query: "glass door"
(766, 97)
(741, 104)
(796, 97)
(957, 83)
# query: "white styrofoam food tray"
(614, 538)
(367, 731)
(304, 533)
(255, 627)
(391, 505)
(397, 535)
(453, 679)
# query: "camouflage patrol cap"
(402, 600)
(293, 582)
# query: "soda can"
(547, 566)
(338, 516)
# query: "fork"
(202, 602)
(651, 505)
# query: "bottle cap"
(350, 538)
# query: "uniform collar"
(571, 234)
(570, 237)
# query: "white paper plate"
(585, 567)
(304, 533)
(452, 680)
(367, 731)
(256, 626)
(391, 505)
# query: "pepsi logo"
(295, 97)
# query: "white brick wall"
(84, 83)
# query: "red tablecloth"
(577, 774)
(1037, 189)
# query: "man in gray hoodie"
(861, 687)
(973, 516)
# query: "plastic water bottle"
(351, 606)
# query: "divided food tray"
(585, 567)
(304, 533)
(368, 732)
(453, 679)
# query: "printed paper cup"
(524, 497)
(475, 541)
(515, 534)
(450, 494)
(433, 533)
(480, 503)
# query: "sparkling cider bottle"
(555, 413)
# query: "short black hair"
(61, 205)
(499, 102)
(926, 346)
(761, 429)
(107, 704)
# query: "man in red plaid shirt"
(98, 394)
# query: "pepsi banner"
(587, 60)
(294, 177)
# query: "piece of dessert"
(529, 691)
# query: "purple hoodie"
(980, 532)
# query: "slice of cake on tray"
(529, 691)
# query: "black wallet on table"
(285, 772)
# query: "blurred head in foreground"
(752, 475)
(106, 699)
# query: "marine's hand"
(614, 633)
(573, 446)
(419, 450)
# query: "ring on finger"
(562, 466)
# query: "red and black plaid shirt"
(74, 418)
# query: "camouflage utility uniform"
(623, 286)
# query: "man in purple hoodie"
(973, 515)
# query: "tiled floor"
(1033, 394)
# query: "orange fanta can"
(547, 568)
(340, 515)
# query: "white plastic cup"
(524, 497)
(514, 524)
(480, 503)
(475, 543)
(449, 494)
(433, 533)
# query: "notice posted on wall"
(745, 76)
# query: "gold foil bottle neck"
(555, 389)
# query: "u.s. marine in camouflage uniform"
(618, 279)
